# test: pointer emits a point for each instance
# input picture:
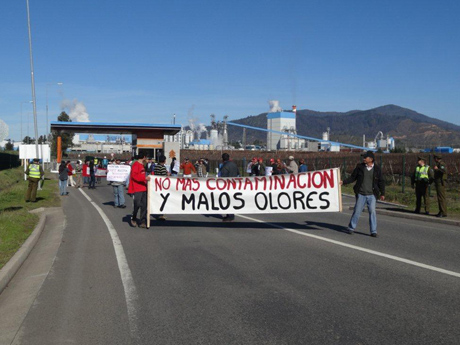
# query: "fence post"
(404, 173)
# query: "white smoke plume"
(274, 106)
(76, 110)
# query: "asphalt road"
(263, 279)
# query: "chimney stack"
(294, 109)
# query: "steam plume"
(76, 110)
(274, 106)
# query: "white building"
(281, 121)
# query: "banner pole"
(148, 205)
(339, 179)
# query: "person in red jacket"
(85, 172)
(188, 168)
(70, 174)
(138, 188)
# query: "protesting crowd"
(367, 176)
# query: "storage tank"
(325, 136)
(214, 136)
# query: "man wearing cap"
(34, 173)
(440, 179)
(420, 180)
(292, 167)
(368, 188)
(187, 167)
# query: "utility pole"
(34, 99)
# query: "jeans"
(140, 202)
(63, 187)
(119, 195)
(361, 201)
(92, 181)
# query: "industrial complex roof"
(113, 128)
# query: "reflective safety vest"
(34, 171)
(421, 173)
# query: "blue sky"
(144, 61)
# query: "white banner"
(315, 191)
(118, 173)
(30, 152)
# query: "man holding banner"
(117, 175)
(138, 188)
(229, 169)
(369, 186)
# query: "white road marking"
(362, 249)
(126, 276)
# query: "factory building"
(282, 121)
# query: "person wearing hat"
(420, 180)
(369, 187)
(34, 173)
(187, 167)
(440, 179)
(292, 167)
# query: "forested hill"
(407, 126)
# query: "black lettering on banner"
(270, 198)
(256, 199)
(202, 200)
(188, 201)
(213, 203)
(224, 204)
(288, 199)
(236, 196)
(309, 198)
(165, 199)
(298, 197)
(325, 200)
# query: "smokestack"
(294, 109)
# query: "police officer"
(440, 179)
(421, 179)
(34, 173)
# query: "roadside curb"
(14, 264)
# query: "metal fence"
(397, 169)
(9, 160)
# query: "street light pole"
(47, 123)
(22, 138)
(34, 99)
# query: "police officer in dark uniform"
(34, 173)
(440, 179)
(421, 178)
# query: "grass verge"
(16, 223)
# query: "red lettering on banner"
(299, 177)
(293, 181)
(231, 183)
(247, 182)
(166, 183)
(329, 177)
(196, 182)
(314, 179)
(180, 181)
(220, 184)
(279, 181)
(260, 179)
(209, 185)
(158, 186)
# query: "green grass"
(393, 193)
(16, 223)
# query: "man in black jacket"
(368, 188)
(228, 169)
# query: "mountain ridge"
(408, 127)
